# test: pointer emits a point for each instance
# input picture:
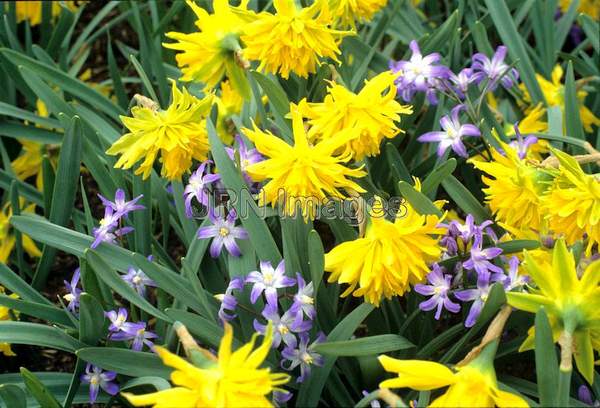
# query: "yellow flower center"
(283, 329)
(307, 300)
(223, 231)
(268, 278)
(94, 380)
(69, 297)
(307, 358)
(136, 280)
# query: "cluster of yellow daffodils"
(214, 51)
(391, 256)
(589, 7)
(471, 385)
(6, 314)
(529, 198)
(304, 175)
(554, 92)
(292, 39)
(229, 103)
(514, 188)
(572, 203)
(178, 134)
(349, 12)
(372, 113)
(230, 379)
(571, 302)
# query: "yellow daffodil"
(373, 112)
(390, 257)
(6, 314)
(229, 103)
(214, 51)
(589, 7)
(293, 39)
(29, 162)
(178, 134)
(302, 174)
(514, 188)
(554, 92)
(7, 237)
(472, 385)
(31, 10)
(350, 12)
(231, 379)
(572, 303)
(572, 203)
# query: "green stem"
(564, 388)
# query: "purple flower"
(198, 187)
(247, 158)
(120, 206)
(302, 355)
(136, 332)
(97, 378)
(514, 280)
(452, 134)
(303, 300)
(281, 397)
(584, 394)
(268, 280)
(438, 290)
(461, 82)
(419, 74)
(479, 296)
(469, 229)
(284, 326)
(107, 231)
(228, 300)
(493, 69)
(522, 145)
(118, 320)
(223, 232)
(74, 292)
(138, 280)
(480, 258)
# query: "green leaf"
(42, 311)
(505, 24)
(18, 131)
(316, 260)
(39, 390)
(438, 175)
(11, 281)
(67, 83)
(259, 233)
(91, 319)
(278, 100)
(418, 200)
(169, 281)
(13, 396)
(17, 113)
(546, 363)
(518, 245)
(399, 169)
(63, 195)
(365, 346)
(440, 36)
(310, 391)
(572, 118)
(591, 29)
(36, 334)
(464, 199)
(107, 274)
(126, 362)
